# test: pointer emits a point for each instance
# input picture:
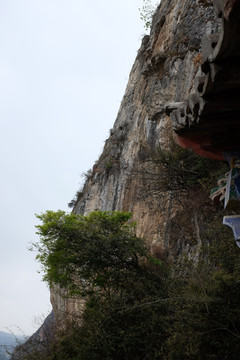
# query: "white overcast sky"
(64, 65)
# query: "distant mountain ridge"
(8, 342)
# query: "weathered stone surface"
(65, 307)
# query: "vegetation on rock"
(137, 306)
(146, 13)
(178, 170)
(99, 249)
(100, 258)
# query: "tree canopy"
(100, 249)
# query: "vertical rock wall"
(162, 74)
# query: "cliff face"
(162, 75)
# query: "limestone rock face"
(161, 77)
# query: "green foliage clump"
(99, 257)
(109, 165)
(99, 249)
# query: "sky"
(64, 66)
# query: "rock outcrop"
(161, 79)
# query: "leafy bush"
(99, 249)
(99, 257)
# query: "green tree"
(98, 250)
(100, 257)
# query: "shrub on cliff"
(99, 257)
(97, 250)
(178, 170)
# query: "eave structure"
(209, 121)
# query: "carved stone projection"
(209, 121)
